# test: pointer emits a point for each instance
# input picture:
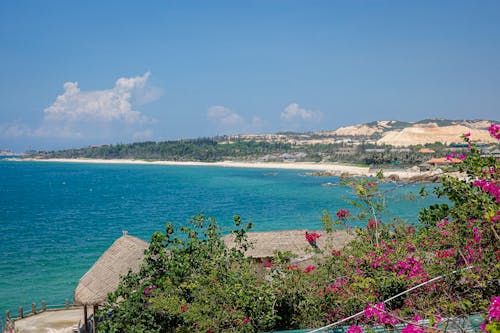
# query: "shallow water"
(57, 218)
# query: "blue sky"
(74, 73)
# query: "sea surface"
(56, 219)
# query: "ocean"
(57, 218)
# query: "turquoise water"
(57, 218)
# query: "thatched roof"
(265, 244)
(126, 253)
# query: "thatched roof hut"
(443, 160)
(127, 252)
(266, 244)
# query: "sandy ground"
(60, 321)
(333, 168)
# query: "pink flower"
(462, 156)
(411, 268)
(335, 253)
(466, 135)
(312, 237)
(491, 188)
(245, 321)
(343, 213)
(268, 264)
(184, 308)
(494, 130)
(378, 313)
(494, 309)
(477, 234)
(371, 225)
(148, 290)
(354, 329)
(309, 268)
(449, 253)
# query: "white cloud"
(294, 112)
(101, 105)
(100, 114)
(231, 122)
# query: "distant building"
(442, 161)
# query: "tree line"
(219, 149)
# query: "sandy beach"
(335, 169)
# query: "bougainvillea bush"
(411, 278)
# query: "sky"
(79, 73)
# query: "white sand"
(333, 168)
(311, 166)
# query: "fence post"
(21, 312)
(33, 308)
(44, 306)
(67, 304)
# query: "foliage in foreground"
(194, 283)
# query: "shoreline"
(333, 169)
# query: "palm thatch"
(266, 244)
(127, 252)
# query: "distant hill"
(397, 133)
(387, 132)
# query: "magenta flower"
(466, 135)
(148, 290)
(494, 309)
(312, 237)
(354, 329)
(494, 130)
(309, 268)
(491, 188)
(268, 264)
(343, 213)
(371, 225)
(378, 313)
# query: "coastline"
(333, 169)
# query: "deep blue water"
(56, 219)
